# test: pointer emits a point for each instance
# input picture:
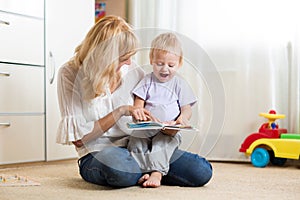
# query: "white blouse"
(79, 116)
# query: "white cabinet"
(22, 39)
(21, 138)
(33, 8)
(22, 115)
(22, 108)
(31, 39)
(67, 23)
(22, 89)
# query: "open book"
(146, 125)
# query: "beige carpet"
(60, 180)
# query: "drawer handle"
(4, 22)
(4, 124)
(51, 67)
(4, 74)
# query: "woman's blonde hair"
(110, 41)
(166, 43)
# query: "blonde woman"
(95, 103)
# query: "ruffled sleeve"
(72, 128)
(73, 125)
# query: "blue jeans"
(114, 166)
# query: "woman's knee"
(117, 178)
(197, 170)
(119, 167)
(206, 173)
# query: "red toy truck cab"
(263, 132)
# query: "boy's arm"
(139, 102)
(139, 113)
(185, 115)
(183, 119)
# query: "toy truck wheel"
(260, 157)
(275, 160)
(278, 161)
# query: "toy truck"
(271, 143)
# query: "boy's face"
(165, 65)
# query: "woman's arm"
(105, 123)
(71, 107)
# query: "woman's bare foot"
(153, 180)
(143, 179)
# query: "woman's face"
(126, 61)
(165, 65)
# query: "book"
(147, 125)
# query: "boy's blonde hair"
(110, 41)
(166, 43)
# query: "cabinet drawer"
(21, 39)
(21, 139)
(29, 7)
(21, 89)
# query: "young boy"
(169, 99)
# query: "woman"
(95, 103)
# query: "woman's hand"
(78, 143)
(138, 113)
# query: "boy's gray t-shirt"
(164, 100)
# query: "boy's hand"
(182, 120)
(170, 132)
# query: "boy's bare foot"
(153, 180)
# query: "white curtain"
(241, 58)
(294, 79)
